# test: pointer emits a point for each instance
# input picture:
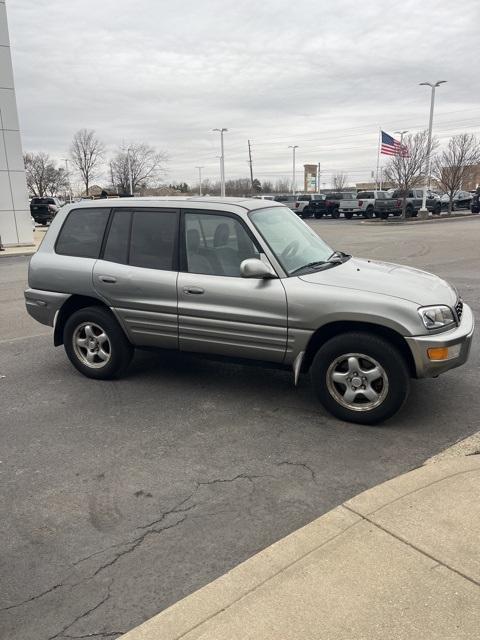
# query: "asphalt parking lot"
(118, 498)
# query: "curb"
(215, 598)
(413, 222)
(4, 254)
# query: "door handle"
(197, 290)
(107, 279)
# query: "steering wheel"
(290, 250)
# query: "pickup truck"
(414, 199)
(306, 204)
(370, 204)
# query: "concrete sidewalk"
(400, 561)
(26, 250)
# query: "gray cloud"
(323, 75)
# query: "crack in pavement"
(299, 464)
(136, 542)
(39, 595)
(83, 615)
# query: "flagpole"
(378, 153)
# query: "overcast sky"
(322, 75)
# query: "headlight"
(437, 316)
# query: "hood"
(419, 287)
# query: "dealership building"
(15, 221)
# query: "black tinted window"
(116, 248)
(153, 241)
(82, 233)
(366, 195)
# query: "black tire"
(307, 213)
(318, 214)
(392, 394)
(336, 214)
(437, 210)
(348, 215)
(384, 215)
(119, 349)
(409, 212)
(369, 213)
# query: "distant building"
(369, 186)
(15, 221)
(310, 175)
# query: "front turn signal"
(438, 353)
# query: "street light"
(222, 162)
(293, 147)
(423, 213)
(199, 180)
(67, 174)
(130, 171)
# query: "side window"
(82, 233)
(116, 247)
(216, 244)
(153, 239)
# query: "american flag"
(392, 147)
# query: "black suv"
(43, 210)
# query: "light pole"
(423, 213)
(293, 147)
(199, 180)
(67, 173)
(130, 171)
(222, 162)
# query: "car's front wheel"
(348, 215)
(360, 377)
(95, 343)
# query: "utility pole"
(250, 163)
(222, 162)
(423, 213)
(199, 180)
(318, 178)
(293, 147)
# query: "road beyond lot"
(119, 498)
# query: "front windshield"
(292, 241)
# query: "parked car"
(304, 204)
(475, 206)
(43, 210)
(369, 204)
(461, 200)
(242, 279)
(414, 199)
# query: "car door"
(219, 311)
(137, 274)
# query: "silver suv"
(242, 278)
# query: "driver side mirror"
(255, 268)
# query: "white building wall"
(15, 223)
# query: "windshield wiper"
(310, 265)
(338, 256)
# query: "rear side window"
(154, 239)
(116, 247)
(82, 233)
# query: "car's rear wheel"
(384, 215)
(336, 214)
(369, 213)
(318, 214)
(95, 343)
(306, 213)
(360, 377)
(437, 210)
(408, 212)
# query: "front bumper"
(460, 337)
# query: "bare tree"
(283, 185)
(267, 186)
(87, 154)
(407, 169)
(43, 176)
(147, 165)
(451, 166)
(340, 181)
